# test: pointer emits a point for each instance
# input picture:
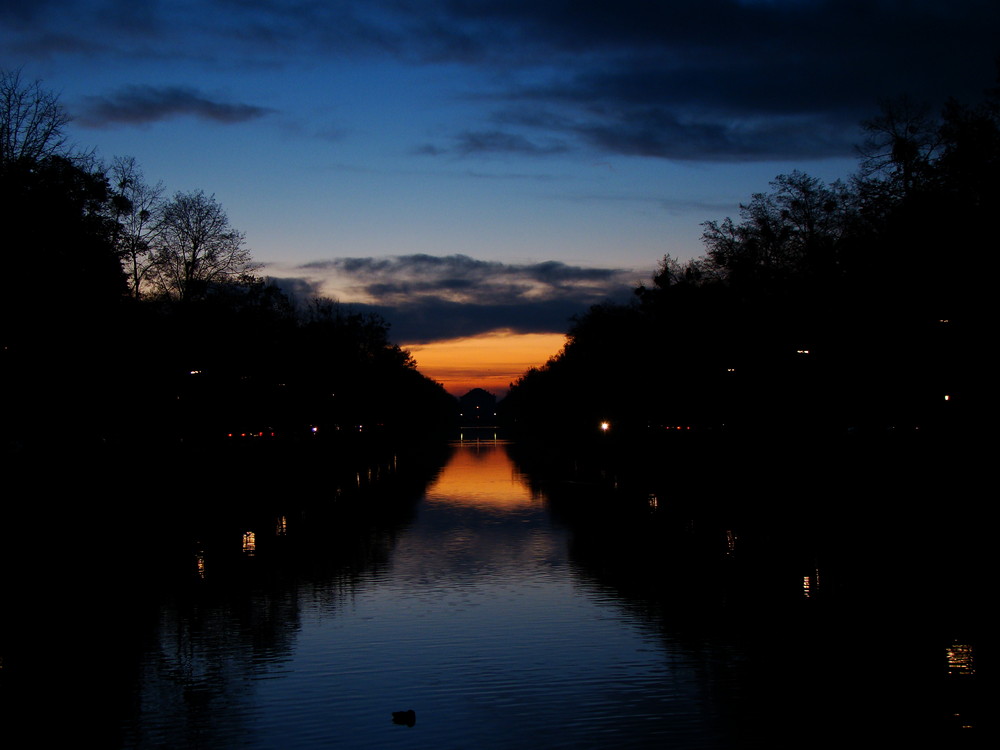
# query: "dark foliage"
(59, 307)
(824, 308)
(217, 354)
(241, 364)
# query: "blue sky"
(471, 166)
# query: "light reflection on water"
(478, 626)
(508, 615)
(476, 622)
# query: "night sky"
(475, 168)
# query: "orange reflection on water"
(481, 475)
(960, 660)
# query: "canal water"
(505, 608)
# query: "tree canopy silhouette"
(32, 121)
(135, 320)
(135, 207)
(821, 308)
(195, 246)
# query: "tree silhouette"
(901, 143)
(196, 247)
(821, 308)
(32, 121)
(202, 349)
(135, 208)
(793, 232)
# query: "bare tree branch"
(196, 247)
(136, 206)
(32, 121)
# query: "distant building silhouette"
(477, 407)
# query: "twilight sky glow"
(474, 168)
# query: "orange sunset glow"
(491, 361)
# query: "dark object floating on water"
(409, 718)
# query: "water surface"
(507, 612)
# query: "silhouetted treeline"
(857, 306)
(133, 319)
(242, 362)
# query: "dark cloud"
(144, 104)
(19, 11)
(658, 133)
(715, 79)
(495, 141)
(428, 297)
(729, 80)
(298, 290)
(423, 321)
